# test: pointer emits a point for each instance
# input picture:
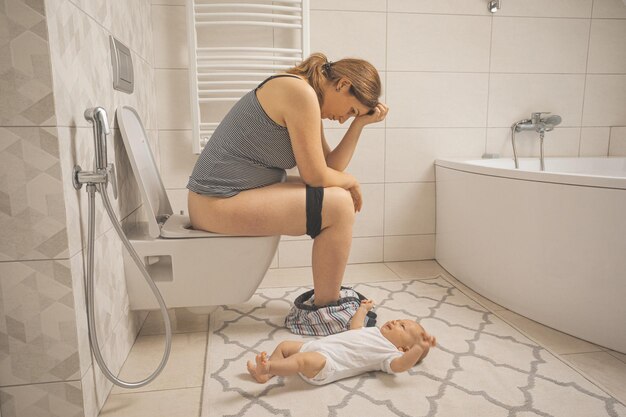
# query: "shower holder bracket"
(77, 184)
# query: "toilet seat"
(178, 226)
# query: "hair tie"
(327, 67)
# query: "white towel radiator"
(233, 46)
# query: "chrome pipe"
(541, 160)
(90, 295)
(514, 129)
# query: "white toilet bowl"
(192, 268)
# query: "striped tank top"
(247, 150)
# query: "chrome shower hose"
(89, 290)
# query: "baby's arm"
(359, 317)
(408, 360)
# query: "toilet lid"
(158, 207)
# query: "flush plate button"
(123, 79)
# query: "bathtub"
(550, 245)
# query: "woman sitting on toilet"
(239, 185)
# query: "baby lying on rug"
(396, 347)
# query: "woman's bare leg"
(331, 247)
(281, 209)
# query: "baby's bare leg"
(286, 349)
(261, 370)
(308, 364)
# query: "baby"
(396, 347)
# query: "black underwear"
(314, 199)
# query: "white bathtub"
(550, 246)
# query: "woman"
(238, 185)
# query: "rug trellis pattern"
(482, 366)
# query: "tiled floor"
(177, 392)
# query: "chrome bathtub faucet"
(540, 125)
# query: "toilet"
(191, 268)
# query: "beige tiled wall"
(54, 63)
(455, 77)
(82, 73)
(39, 360)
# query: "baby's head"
(406, 333)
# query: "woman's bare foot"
(260, 370)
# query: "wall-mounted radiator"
(235, 45)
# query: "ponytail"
(364, 79)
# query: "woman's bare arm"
(301, 113)
(340, 157)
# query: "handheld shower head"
(98, 118)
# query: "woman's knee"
(338, 206)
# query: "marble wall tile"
(409, 248)
(77, 266)
(607, 46)
(115, 351)
(25, 79)
(173, 102)
(81, 63)
(366, 250)
(437, 99)
(569, 37)
(609, 9)
(132, 24)
(169, 28)
(111, 300)
(81, 60)
(617, 145)
(60, 399)
(465, 7)
(410, 153)
(605, 96)
(37, 324)
(594, 141)
(409, 208)
(354, 5)
(32, 210)
(88, 388)
(368, 161)
(366, 39)
(553, 8)
(445, 42)
(99, 10)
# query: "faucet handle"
(536, 116)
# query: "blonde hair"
(364, 79)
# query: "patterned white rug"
(482, 367)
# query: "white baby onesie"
(350, 353)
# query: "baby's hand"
(367, 304)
